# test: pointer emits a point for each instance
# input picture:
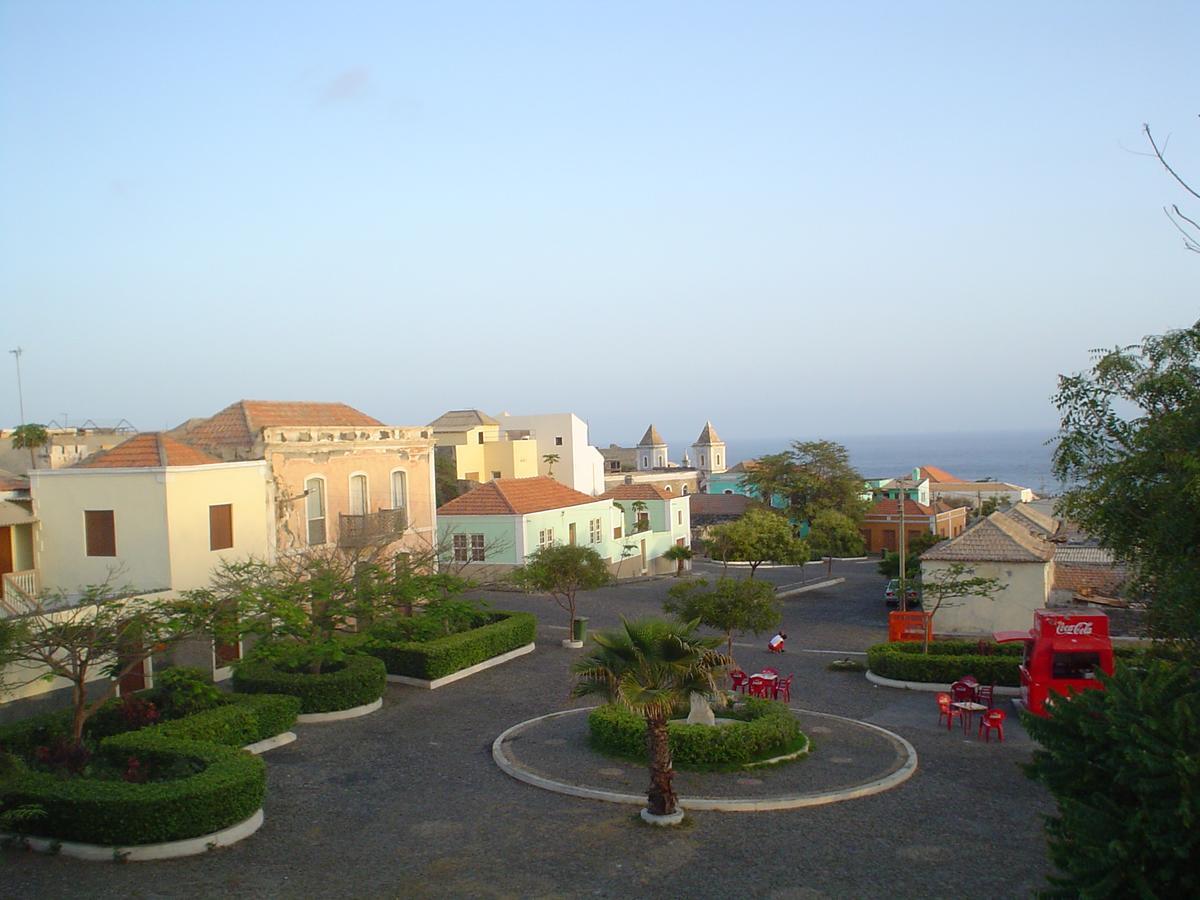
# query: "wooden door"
(6, 554)
(571, 533)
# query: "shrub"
(767, 729)
(946, 662)
(183, 691)
(444, 656)
(274, 713)
(357, 680)
(228, 788)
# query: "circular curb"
(338, 714)
(280, 740)
(1001, 691)
(662, 821)
(145, 852)
(572, 644)
(819, 798)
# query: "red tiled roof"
(933, 473)
(720, 505)
(892, 508)
(637, 492)
(149, 450)
(10, 481)
(514, 497)
(239, 424)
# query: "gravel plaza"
(408, 801)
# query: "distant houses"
(886, 520)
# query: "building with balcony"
(653, 520)
(480, 452)
(18, 569)
(884, 522)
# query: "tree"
(757, 537)
(562, 571)
(30, 436)
(550, 459)
(730, 605)
(107, 630)
(991, 504)
(445, 479)
(948, 586)
(1186, 226)
(1122, 765)
(770, 476)
(1129, 447)
(641, 518)
(811, 476)
(889, 566)
(680, 555)
(832, 533)
(652, 667)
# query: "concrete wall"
(580, 465)
(502, 538)
(1026, 588)
(512, 459)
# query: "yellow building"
(480, 452)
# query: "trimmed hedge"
(767, 729)
(246, 719)
(276, 713)
(228, 789)
(446, 655)
(356, 681)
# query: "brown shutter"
(100, 533)
(220, 527)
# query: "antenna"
(20, 394)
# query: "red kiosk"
(1063, 653)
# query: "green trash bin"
(580, 629)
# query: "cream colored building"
(480, 452)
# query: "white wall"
(1027, 586)
(580, 465)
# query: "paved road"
(407, 802)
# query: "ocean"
(1019, 457)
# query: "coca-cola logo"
(1073, 628)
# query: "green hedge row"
(228, 789)
(767, 729)
(356, 681)
(245, 720)
(446, 655)
(905, 662)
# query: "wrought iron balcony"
(356, 532)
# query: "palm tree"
(680, 554)
(30, 437)
(550, 459)
(652, 667)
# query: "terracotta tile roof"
(652, 438)
(728, 505)
(933, 473)
(241, 423)
(892, 508)
(149, 450)
(637, 492)
(11, 481)
(746, 465)
(461, 420)
(973, 487)
(1034, 519)
(514, 497)
(708, 435)
(995, 539)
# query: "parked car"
(891, 594)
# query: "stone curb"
(338, 714)
(461, 673)
(815, 586)
(143, 852)
(798, 801)
(1001, 691)
(279, 740)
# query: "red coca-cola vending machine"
(1063, 654)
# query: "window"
(617, 533)
(660, 462)
(728, 492)
(679, 515)
(645, 461)
(594, 531)
(718, 459)
(495, 474)
(220, 527)
(460, 548)
(100, 532)
(701, 459)
(545, 537)
(359, 499)
(478, 551)
(667, 489)
(314, 509)
(643, 521)
(685, 490)
(481, 437)
(558, 442)
(399, 490)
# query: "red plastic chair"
(769, 671)
(783, 688)
(760, 687)
(986, 694)
(739, 680)
(961, 692)
(992, 720)
(945, 709)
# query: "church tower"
(651, 451)
(709, 451)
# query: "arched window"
(701, 459)
(360, 503)
(685, 490)
(729, 492)
(645, 461)
(314, 510)
(667, 489)
(399, 490)
(718, 459)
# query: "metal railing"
(355, 532)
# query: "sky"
(790, 218)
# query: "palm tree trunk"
(661, 796)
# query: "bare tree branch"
(1159, 153)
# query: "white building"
(565, 435)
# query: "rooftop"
(709, 435)
(461, 420)
(148, 450)
(933, 473)
(642, 491)
(892, 508)
(241, 423)
(652, 438)
(1034, 519)
(514, 497)
(995, 539)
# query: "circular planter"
(357, 681)
(572, 645)
(339, 714)
(674, 818)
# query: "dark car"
(891, 594)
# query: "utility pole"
(20, 394)
(903, 586)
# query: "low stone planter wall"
(433, 684)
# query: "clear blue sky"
(778, 216)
